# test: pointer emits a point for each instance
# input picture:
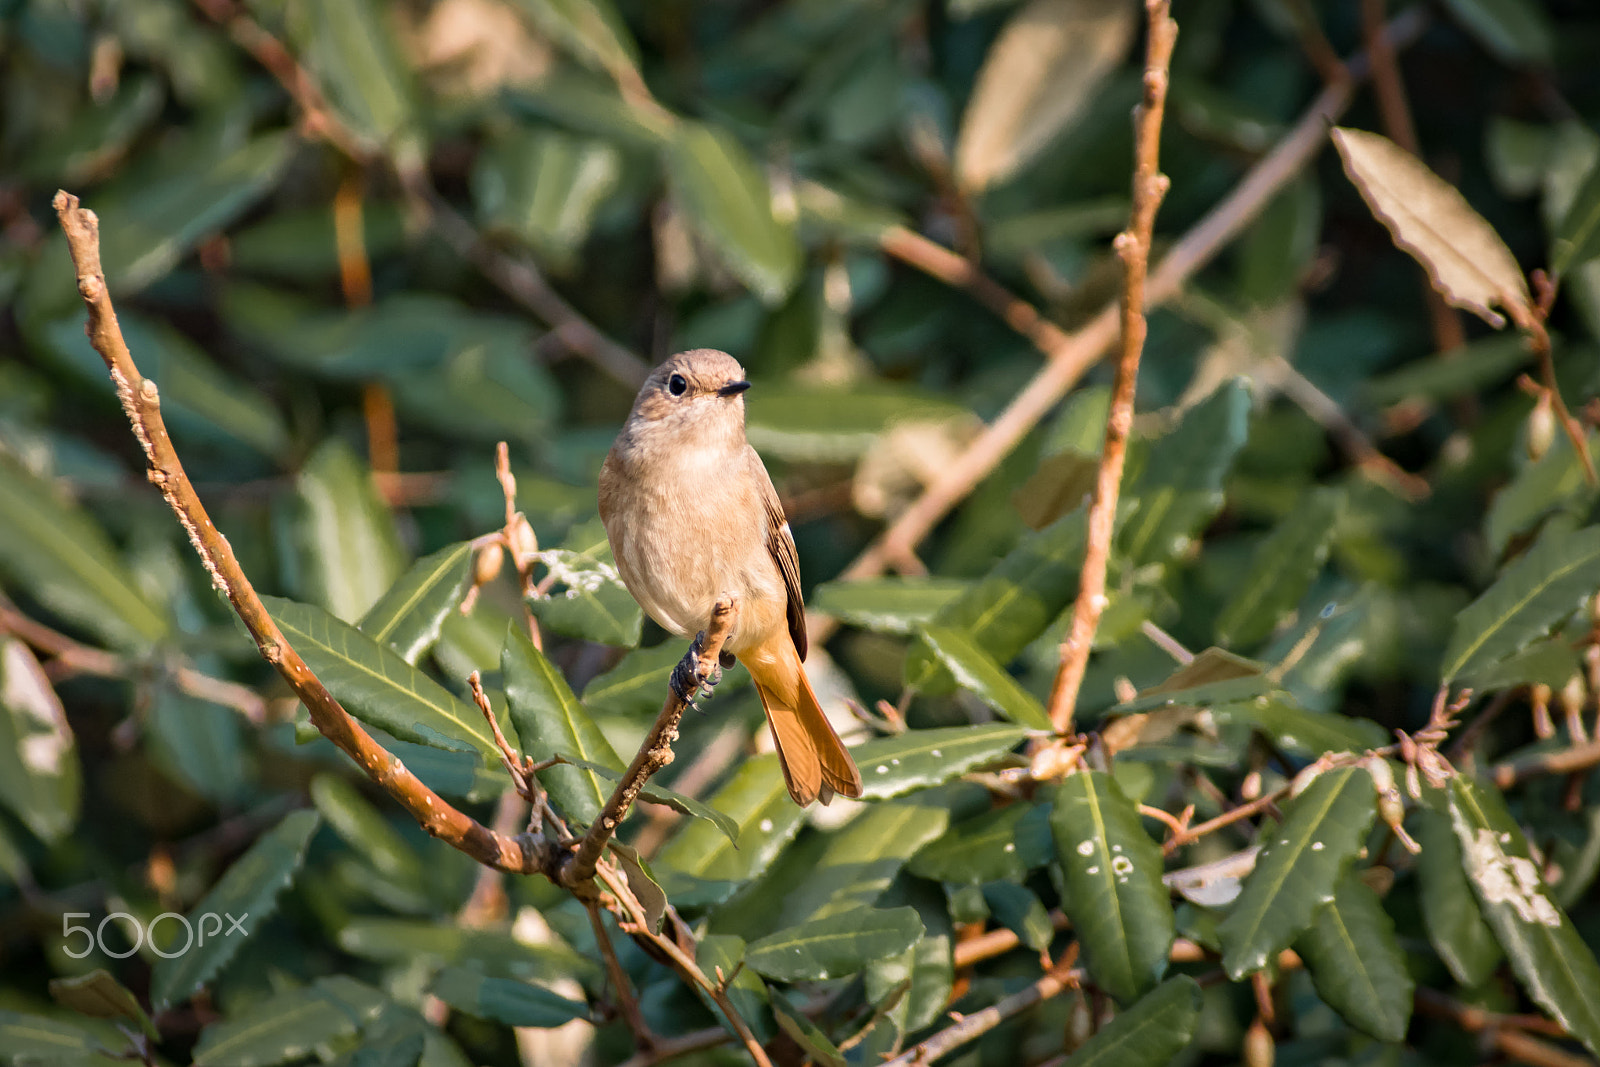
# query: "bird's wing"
(780, 543)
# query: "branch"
(1133, 245)
(1072, 356)
(1063, 977)
(1563, 761)
(142, 403)
(656, 752)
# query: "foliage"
(356, 244)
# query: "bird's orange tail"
(816, 765)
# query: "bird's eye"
(677, 385)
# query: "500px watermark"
(94, 937)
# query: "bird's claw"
(688, 677)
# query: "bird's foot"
(694, 671)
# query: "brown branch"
(1063, 977)
(1504, 1030)
(1564, 761)
(1133, 246)
(1539, 339)
(656, 751)
(1069, 358)
(142, 403)
(627, 1003)
(671, 1047)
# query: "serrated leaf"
(1297, 869)
(657, 794)
(504, 1000)
(1465, 258)
(1011, 605)
(886, 605)
(40, 776)
(61, 558)
(378, 687)
(592, 602)
(756, 799)
(1356, 962)
(101, 996)
(975, 672)
(1548, 955)
(1002, 845)
(1532, 594)
(549, 720)
(916, 759)
(248, 891)
(1515, 31)
(352, 549)
(284, 1028)
(838, 945)
(409, 616)
(1038, 76)
(1148, 1034)
(1179, 487)
(1114, 895)
(726, 198)
(1281, 569)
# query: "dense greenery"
(358, 243)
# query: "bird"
(692, 516)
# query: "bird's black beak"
(733, 388)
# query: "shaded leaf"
(1281, 570)
(1532, 594)
(1037, 77)
(916, 759)
(40, 777)
(1356, 962)
(590, 29)
(1578, 239)
(1214, 676)
(657, 794)
(546, 186)
(62, 559)
(719, 956)
(886, 605)
(1548, 955)
(409, 615)
(840, 944)
(101, 996)
(505, 1000)
(861, 859)
(352, 550)
(366, 831)
(404, 940)
(286, 1027)
(1019, 909)
(1114, 894)
(378, 687)
(34, 1038)
(756, 799)
(355, 60)
(1001, 845)
(805, 1033)
(1515, 31)
(726, 197)
(1061, 483)
(1467, 261)
(929, 969)
(1298, 868)
(974, 671)
(1298, 730)
(1148, 1034)
(248, 891)
(1554, 484)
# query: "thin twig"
(1579, 757)
(142, 403)
(1539, 338)
(627, 1003)
(1503, 1030)
(667, 1048)
(656, 752)
(1063, 977)
(1072, 356)
(1133, 246)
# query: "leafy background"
(477, 221)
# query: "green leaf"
(34, 1038)
(1281, 569)
(1020, 910)
(1150, 1033)
(249, 892)
(1299, 731)
(504, 1000)
(356, 62)
(756, 799)
(637, 686)
(726, 198)
(823, 425)
(590, 29)
(1114, 895)
(974, 671)
(1548, 955)
(200, 743)
(656, 794)
(886, 605)
(1002, 845)
(366, 831)
(746, 991)
(287, 1027)
(409, 616)
(378, 687)
(40, 777)
(1012, 604)
(1179, 488)
(861, 859)
(1060, 483)
(352, 550)
(805, 1033)
(545, 186)
(1450, 912)
(61, 558)
(591, 603)
(1299, 866)
(916, 759)
(1356, 962)
(929, 968)
(101, 996)
(838, 945)
(407, 940)
(1470, 368)
(1515, 31)
(1554, 484)
(549, 720)
(1532, 594)
(1578, 239)
(1214, 676)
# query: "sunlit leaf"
(756, 799)
(999, 845)
(916, 759)
(409, 615)
(352, 550)
(288, 1026)
(974, 671)
(656, 794)
(356, 61)
(886, 605)
(840, 944)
